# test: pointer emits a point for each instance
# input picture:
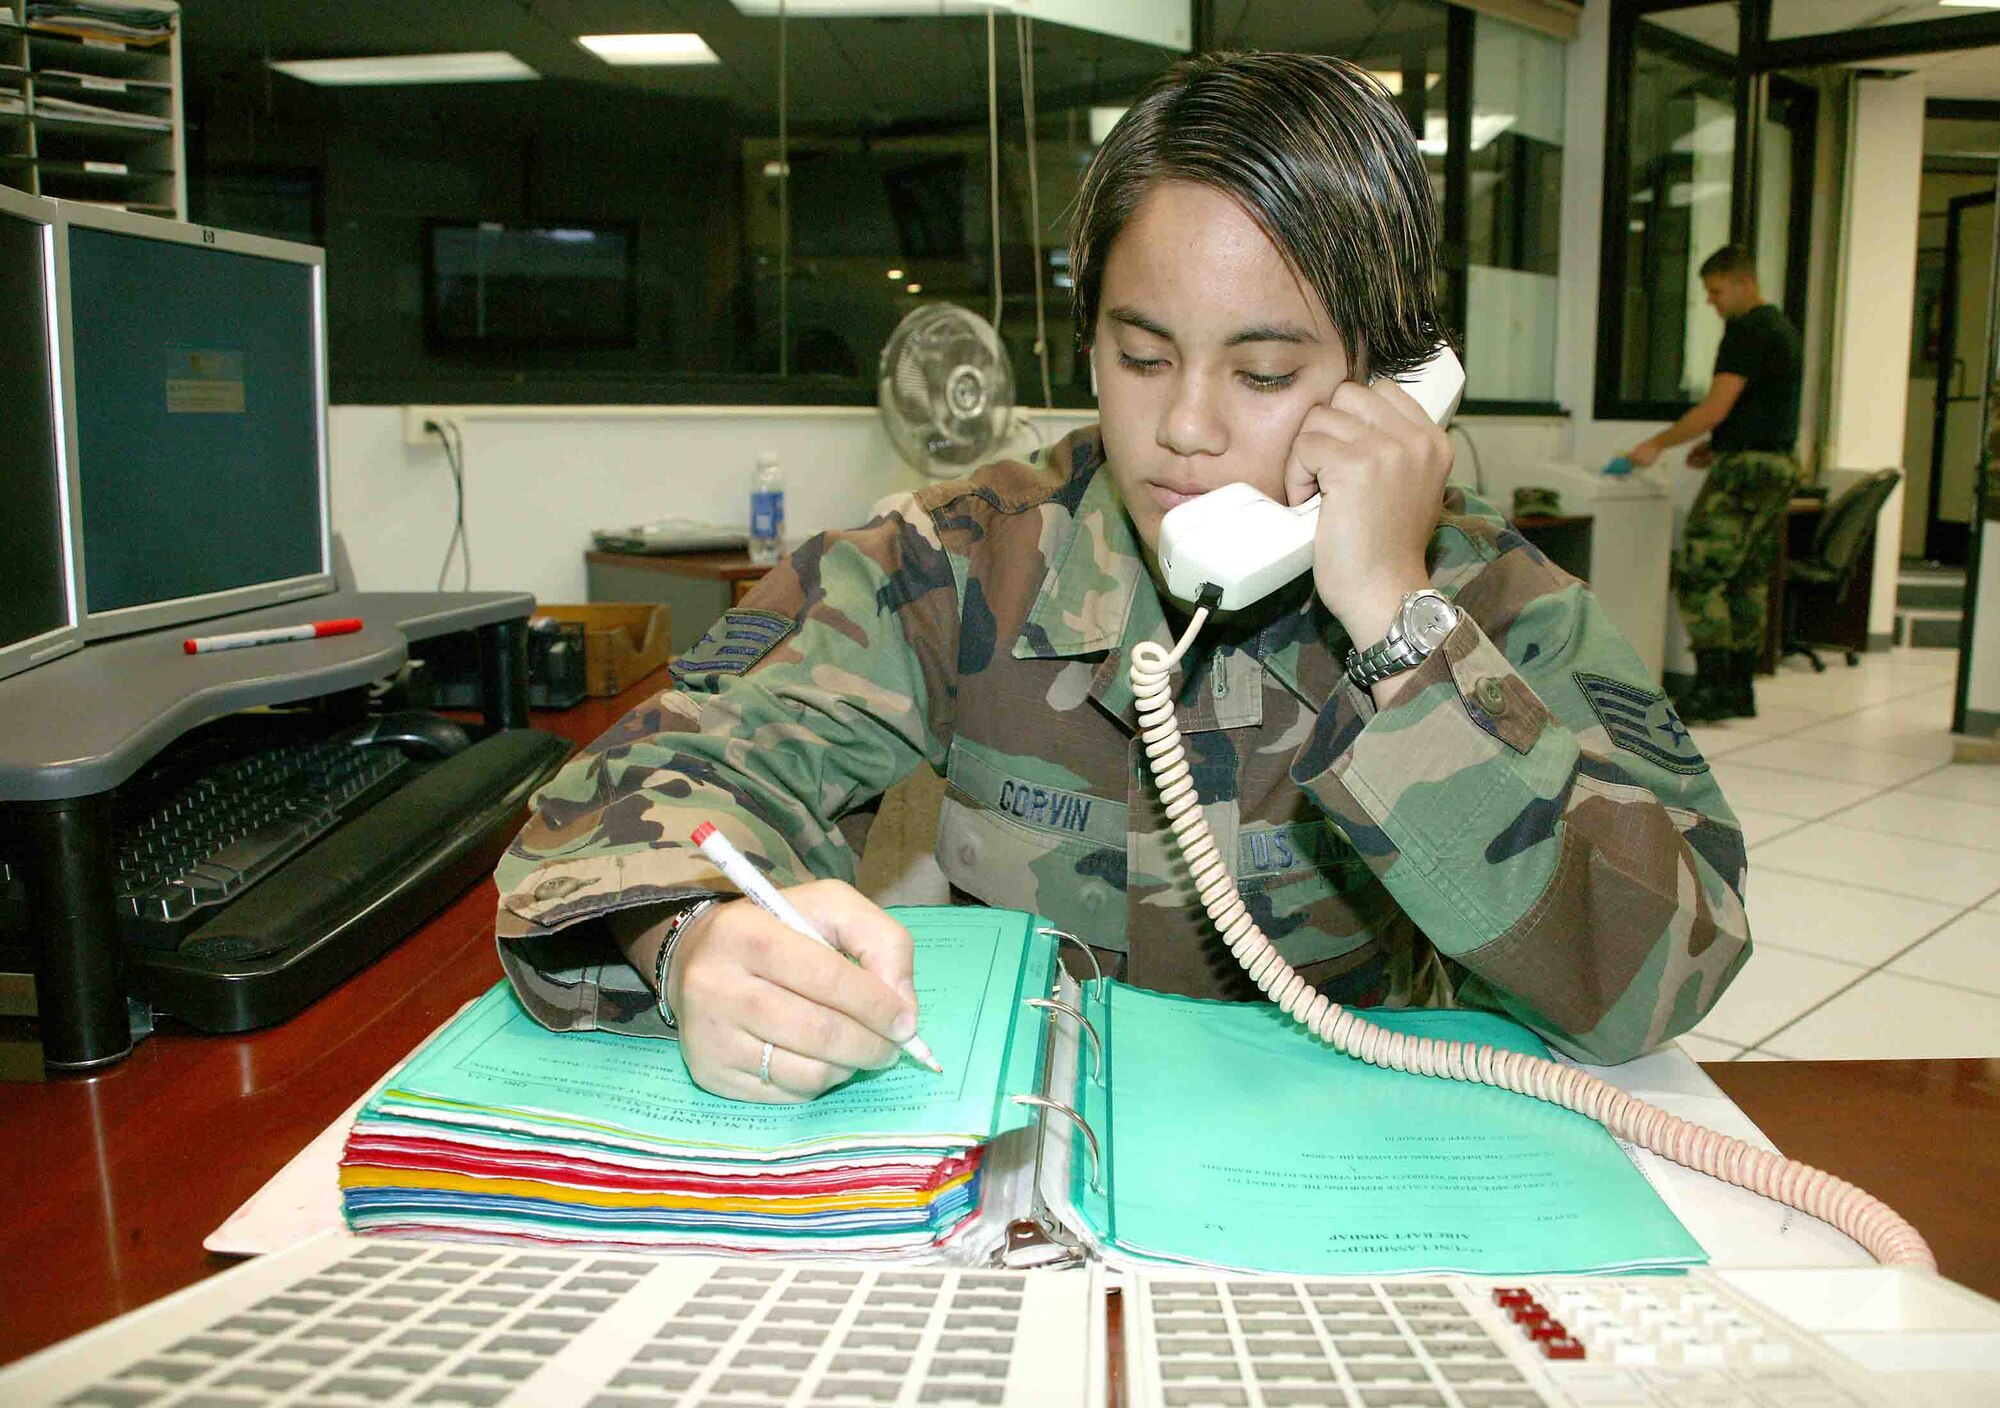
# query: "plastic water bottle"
(767, 511)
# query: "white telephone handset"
(1232, 547)
(1246, 545)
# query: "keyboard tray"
(350, 898)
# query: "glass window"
(763, 270)
(1675, 191)
(1514, 207)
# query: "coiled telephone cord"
(1867, 1219)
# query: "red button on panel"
(1550, 1329)
(1507, 1297)
(1564, 1348)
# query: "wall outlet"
(414, 417)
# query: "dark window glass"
(1676, 213)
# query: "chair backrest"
(1848, 525)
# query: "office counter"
(108, 1184)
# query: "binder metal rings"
(1090, 1135)
(1051, 1004)
(1064, 935)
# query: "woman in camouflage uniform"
(1517, 822)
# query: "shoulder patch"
(734, 643)
(1642, 721)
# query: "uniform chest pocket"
(1075, 878)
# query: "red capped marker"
(237, 640)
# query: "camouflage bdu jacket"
(1527, 828)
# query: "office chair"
(1846, 530)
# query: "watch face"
(1429, 620)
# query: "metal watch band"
(675, 928)
(1394, 653)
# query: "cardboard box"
(624, 641)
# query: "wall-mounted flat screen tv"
(514, 285)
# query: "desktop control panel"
(347, 1320)
(1706, 1340)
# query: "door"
(1962, 372)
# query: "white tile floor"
(1874, 885)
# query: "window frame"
(1612, 273)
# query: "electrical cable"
(459, 544)
(784, 198)
(993, 158)
(1024, 44)
(1868, 1220)
(1478, 468)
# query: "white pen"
(271, 635)
(760, 891)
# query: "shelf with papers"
(94, 130)
(98, 180)
(101, 118)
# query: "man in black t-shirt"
(1730, 543)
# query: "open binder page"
(1231, 1139)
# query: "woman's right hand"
(741, 978)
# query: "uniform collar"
(1097, 573)
(1099, 597)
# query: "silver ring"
(764, 1065)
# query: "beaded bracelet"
(675, 928)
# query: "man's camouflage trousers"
(1722, 572)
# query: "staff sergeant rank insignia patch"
(1642, 721)
(733, 644)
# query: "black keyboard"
(353, 893)
(192, 834)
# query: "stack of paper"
(127, 21)
(73, 110)
(500, 1129)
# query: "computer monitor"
(194, 361)
(38, 598)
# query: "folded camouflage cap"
(1531, 500)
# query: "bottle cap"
(766, 460)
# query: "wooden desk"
(1563, 538)
(697, 586)
(1923, 1136)
(109, 1183)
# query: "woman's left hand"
(1381, 465)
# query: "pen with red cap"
(766, 896)
(271, 635)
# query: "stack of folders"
(1129, 1126)
(500, 1129)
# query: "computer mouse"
(417, 732)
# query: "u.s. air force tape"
(737, 641)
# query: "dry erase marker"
(236, 640)
(760, 891)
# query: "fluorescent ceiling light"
(1102, 120)
(489, 66)
(649, 48)
(1392, 79)
(1485, 127)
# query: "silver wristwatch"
(1425, 619)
